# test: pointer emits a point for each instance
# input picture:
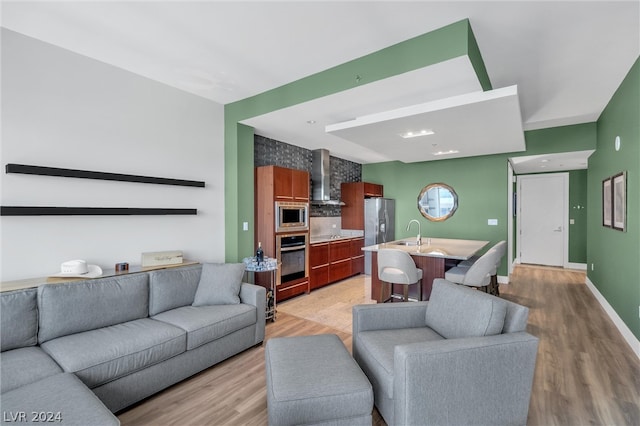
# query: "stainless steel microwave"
(292, 216)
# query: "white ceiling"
(566, 58)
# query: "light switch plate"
(572, 222)
(245, 226)
(492, 222)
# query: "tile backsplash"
(268, 152)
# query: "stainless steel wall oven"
(292, 252)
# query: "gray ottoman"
(314, 380)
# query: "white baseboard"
(578, 266)
(617, 321)
(503, 280)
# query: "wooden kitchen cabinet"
(372, 190)
(353, 195)
(300, 185)
(292, 288)
(339, 260)
(319, 265)
(290, 184)
(273, 183)
(333, 261)
(357, 256)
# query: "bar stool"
(501, 249)
(477, 275)
(397, 267)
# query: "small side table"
(267, 265)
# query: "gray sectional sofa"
(75, 353)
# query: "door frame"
(565, 214)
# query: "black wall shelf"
(90, 211)
(86, 174)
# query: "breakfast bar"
(434, 256)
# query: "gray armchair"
(461, 358)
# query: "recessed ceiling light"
(451, 151)
(544, 161)
(311, 121)
(411, 134)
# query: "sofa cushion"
(20, 367)
(58, 399)
(18, 319)
(205, 324)
(86, 305)
(377, 347)
(172, 288)
(455, 311)
(219, 284)
(102, 355)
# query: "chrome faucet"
(418, 238)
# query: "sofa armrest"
(385, 316)
(458, 381)
(256, 295)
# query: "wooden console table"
(35, 282)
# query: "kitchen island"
(434, 256)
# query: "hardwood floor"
(585, 371)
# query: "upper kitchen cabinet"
(273, 183)
(289, 184)
(300, 185)
(353, 195)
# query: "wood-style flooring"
(586, 374)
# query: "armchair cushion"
(377, 349)
(455, 311)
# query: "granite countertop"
(449, 248)
(314, 239)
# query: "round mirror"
(437, 202)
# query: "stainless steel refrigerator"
(379, 225)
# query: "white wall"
(61, 109)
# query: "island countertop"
(447, 248)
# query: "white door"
(542, 217)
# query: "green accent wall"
(446, 43)
(481, 184)
(578, 213)
(615, 255)
(578, 137)
(482, 187)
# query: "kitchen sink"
(404, 243)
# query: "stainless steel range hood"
(321, 179)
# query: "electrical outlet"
(245, 226)
(492, 222)
(572, 221)
(592, 266)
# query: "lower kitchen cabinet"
(319, 265)
(334, 261)
(357, 256)
(339, 270)
(292, 288)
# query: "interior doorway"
(542, 225)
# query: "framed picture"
(619, 183)
(606, 203)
